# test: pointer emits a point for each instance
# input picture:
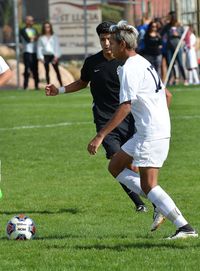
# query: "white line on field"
(78, 123)
(185, 89)
(186, 117)
(45, 126)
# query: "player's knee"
(146, 187)
(113, 169)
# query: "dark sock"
(133, 196)
(154, 206)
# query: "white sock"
(190, 75)
(195, 76)
(131, 180)
(166, 206)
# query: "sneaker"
(141, 208)
(158, 219)
(181, 234)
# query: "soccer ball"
(20, 227)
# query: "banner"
(69, 24)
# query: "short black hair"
(104, 27)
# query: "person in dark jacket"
(29, 36)
(173, 32)
(153, 46)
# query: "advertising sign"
(75, 23)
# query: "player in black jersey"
(101, 71)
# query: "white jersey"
(140, 84)
(3, 66)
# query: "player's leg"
(124, 132)
(149, 163)
(139, 204)
(118, 167)
(158, 218)
(164, 203)
(112, 145)
(149, 177)
(132, 181)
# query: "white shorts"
(147, 153)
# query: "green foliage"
(84, 219)
(37, 26)
(111, 13)
(7, 12)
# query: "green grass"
(84, 219)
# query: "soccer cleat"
(141, 208)
(181, 234)
(158, 219)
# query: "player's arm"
(168, 97)
(4, 77)
(119, 115)
(51, 90)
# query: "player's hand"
(51, 90)
(94, 144)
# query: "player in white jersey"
(142, 93)
(5, 72)
(141, 85)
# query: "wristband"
(61, 90)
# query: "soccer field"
(84, 220)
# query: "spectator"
(161, 22)
(29, 38)
(5, 72)
(142, 30)
(48, 50)
(173, 31)
(191, 57)
(153, 45)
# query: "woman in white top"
(5, 72)
(191, 57)
(48, 50)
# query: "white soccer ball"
(21, 227)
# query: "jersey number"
(156, 80)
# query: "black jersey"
(104, 85)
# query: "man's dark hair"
(104, 27)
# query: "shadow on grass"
(53, 238)
(59, 237)
(120, 247)
(44, 212)
(138, 245)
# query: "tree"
(129, 12)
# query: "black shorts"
(112, 142)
